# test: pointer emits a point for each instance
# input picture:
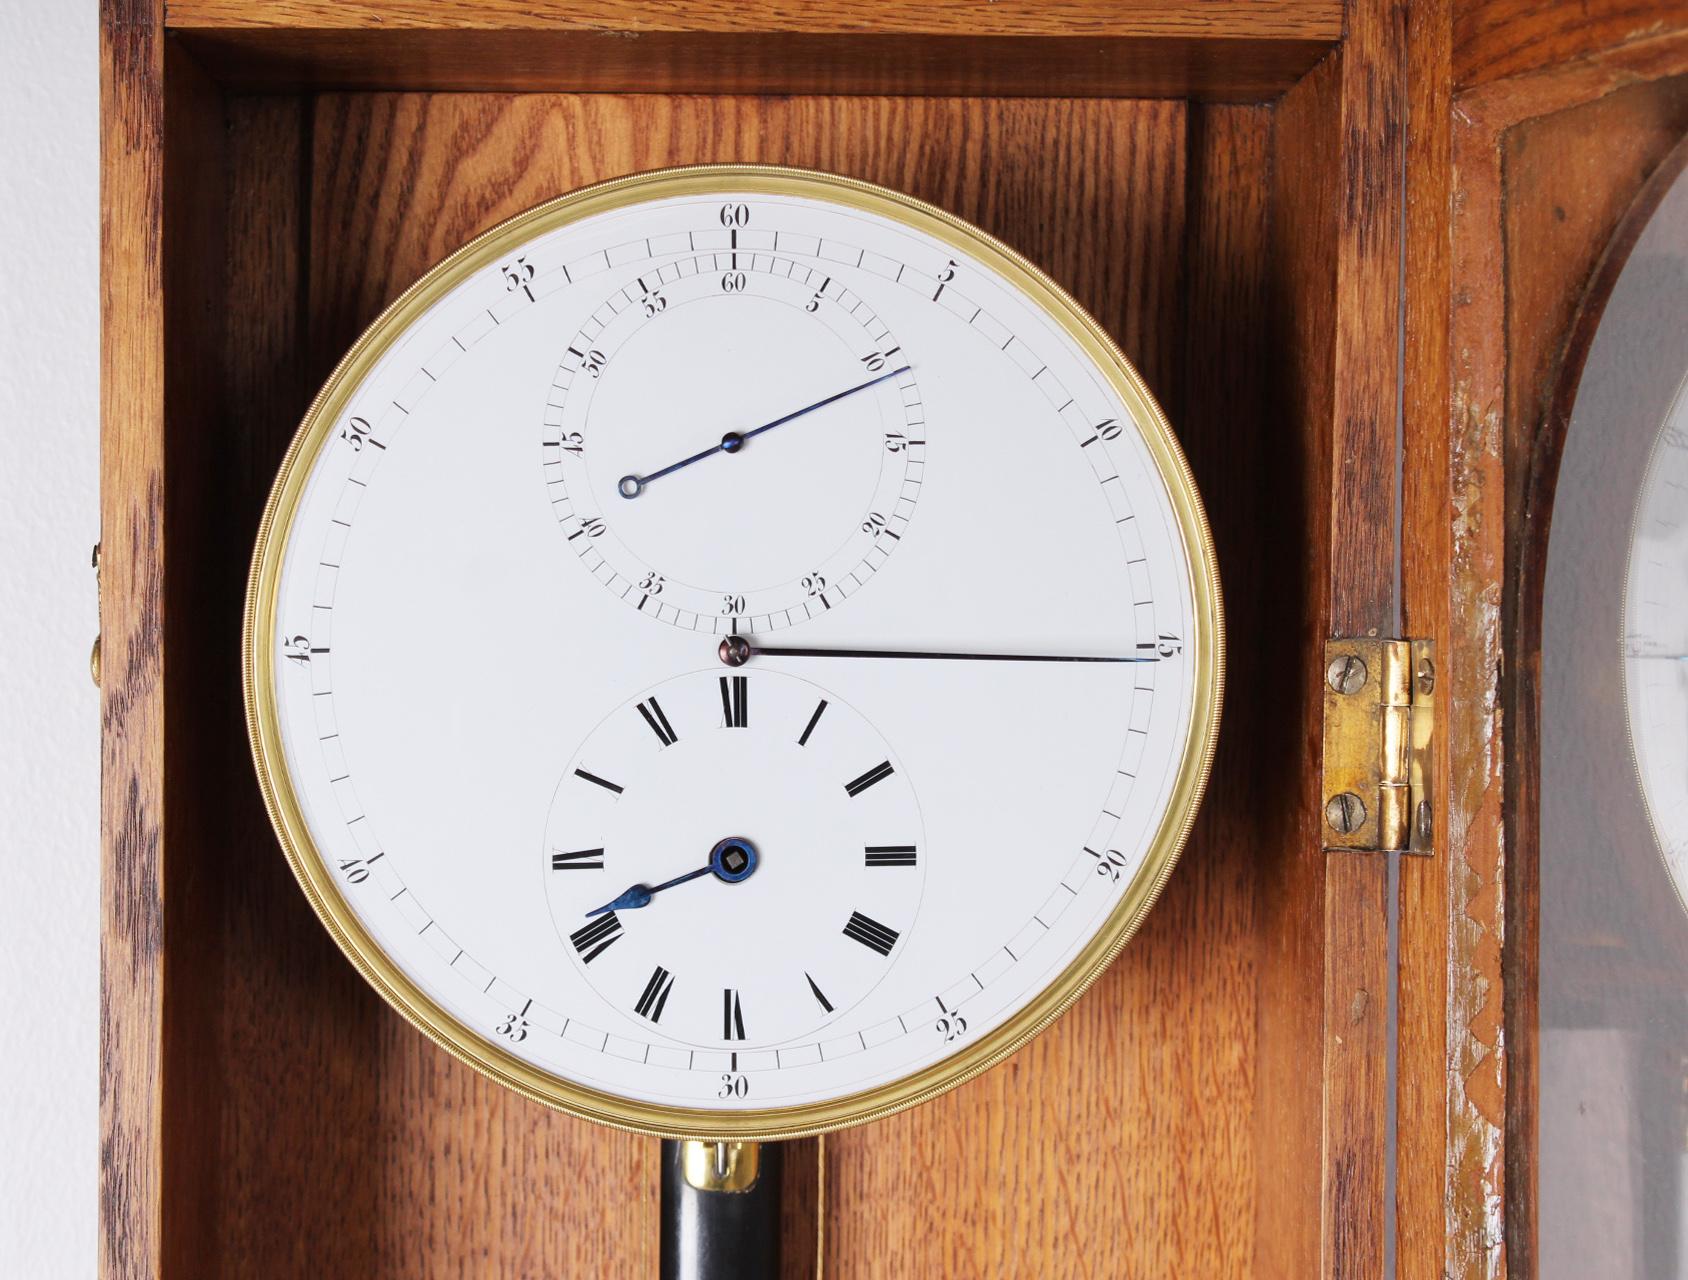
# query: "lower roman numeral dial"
(759, 832)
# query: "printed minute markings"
(341, 526)
(892, 509)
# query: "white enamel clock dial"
(660, 644)
(1656, 638)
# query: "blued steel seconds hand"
(631, 486)
(735, 651)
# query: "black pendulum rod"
(720, 1210)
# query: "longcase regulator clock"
(733, 652)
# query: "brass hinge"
(1379, 729)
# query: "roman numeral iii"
(890, 855)
(577, 860)
(870, 933)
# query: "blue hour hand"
(731, 860)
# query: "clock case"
(1302, 221)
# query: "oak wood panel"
(440, 1169)
(1438, 1206)
(192, 248)
(131, 619)
(1364, 550)
(1341, 163)
(1218, 48)
(1569, 179)
(1499, 39)
(1288, 1101)
(1218, 67)
(1268, 19)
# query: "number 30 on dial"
(733, 651)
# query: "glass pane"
(1614, 679)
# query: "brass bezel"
(1205, 649)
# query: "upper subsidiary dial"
(734, 439)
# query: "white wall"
(49, 712)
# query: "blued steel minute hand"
(631, 486)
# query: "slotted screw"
(1346, 813)
(1346, 674)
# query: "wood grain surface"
(1173, 1121)
(1433, 1152)
(1231, 50)
(1274, 19)
(1213, 1106)
(1496, 40)
(132, 638)
(550, 61)
(329, 1138)
(1367, 149)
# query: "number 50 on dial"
(733, 652)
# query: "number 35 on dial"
(733, 651)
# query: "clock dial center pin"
(733, 859)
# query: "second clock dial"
(734, 858)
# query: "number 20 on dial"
(733, 652)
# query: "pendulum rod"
(720, 1210)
